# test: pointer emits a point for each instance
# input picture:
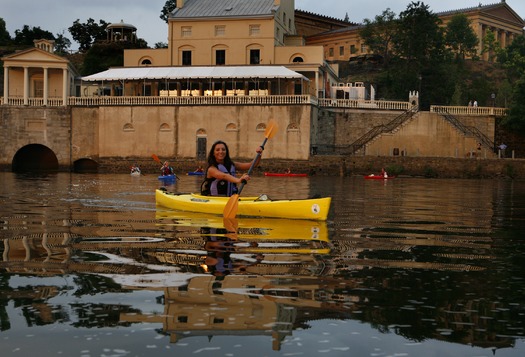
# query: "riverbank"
(435, 167)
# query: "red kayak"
(284, 174)
(378, 177)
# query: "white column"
(26, 86)
(6, 85)
(65, 88)
(46, 84)
(317, 83)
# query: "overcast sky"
(57, 16)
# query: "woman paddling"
(221, 179)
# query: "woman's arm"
(219, 175)
(247, 165)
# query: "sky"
(56, 16)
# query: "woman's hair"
(211, 157)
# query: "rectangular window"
(352, 49)
(341, 51)
(185, 31)
(255, 56)
(186, 58)
(220, 57)
(220, 30)
(39, 88)
(331, 52)
(363, 48)
(255, 30)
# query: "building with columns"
(38, 77)
(340, 44)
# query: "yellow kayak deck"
(312, 208)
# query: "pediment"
(35, 55)
(504, 12)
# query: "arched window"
(261, 127)
(146, 62)
(231, 127)
(297, 59)
(164, 127)
(128, 127)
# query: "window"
(220, 57)
(341, 50)
(363, 48)
(185, 31)
(255, 30)
(39, 88)
(220, 30)
(186, 58)
(352, 49)
(331, 52)
(255, 56)
(145, 62)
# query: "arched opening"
(35, 158)
(85, 166)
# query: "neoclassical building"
(342, 43)
(37, 76)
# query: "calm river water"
(405, 267)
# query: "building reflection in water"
(265, 277)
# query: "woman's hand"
(244, 178)
(259, 150)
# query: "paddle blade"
(156, 158)
(230, 224)
(230, 210)
(271, 129)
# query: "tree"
(62, 43)
(87, 33)
(460, 37)
(378, 34)
(169, 6)
(490, 45)
(5, 38)
(419, 37)
(27, 35)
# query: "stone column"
(6, 85)
(65, 89)
(46, 84)
(26, 86)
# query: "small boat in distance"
(195, 173)
(284, 174)
(378, 177)
(169, 178)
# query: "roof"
(135, 73)
(222, 8)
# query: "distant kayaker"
(221, 179)
(384, 173)
(166, 169)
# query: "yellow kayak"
(262, 206)
(247, 227)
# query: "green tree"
(419, 37)
(5, 38)
(515, 119)
(87, 33)
(490, 45)
(168, 7)
(378, 34)
(27, 35)
(460, 37)
(62, 43)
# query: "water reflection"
(424, 259)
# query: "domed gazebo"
(121, 32)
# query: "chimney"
(180, 4)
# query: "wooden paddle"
(230, 210)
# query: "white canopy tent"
(224, 72)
